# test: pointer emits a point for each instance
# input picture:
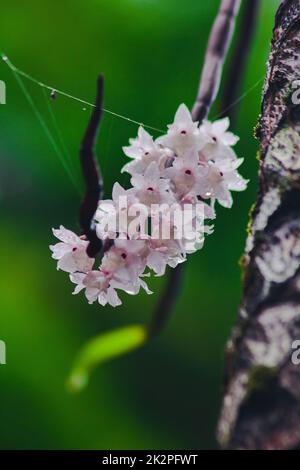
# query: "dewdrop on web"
(176, 181)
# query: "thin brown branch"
(217, 48)
(216, 52)
(92, 175)
(167, 300)
(239, 60)
(261, 407)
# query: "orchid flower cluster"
(181, 175)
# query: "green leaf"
(102, 348)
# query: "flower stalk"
(92, 175)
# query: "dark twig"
(217, 48)
(92, 176)
(239, 59)
(167, 301)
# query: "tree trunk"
(261, 408)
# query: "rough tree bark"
(261, 408)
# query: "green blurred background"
(166, 395)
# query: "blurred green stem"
(239, 59)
